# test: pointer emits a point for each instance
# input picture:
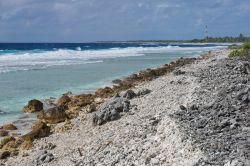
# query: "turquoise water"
(17, 87)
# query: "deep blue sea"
(40, 71)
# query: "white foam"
(39, 60)
(78, 48)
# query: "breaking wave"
(41, 59)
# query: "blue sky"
(95, 20)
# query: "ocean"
(42, 70)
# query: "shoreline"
(130, 82)
(29, 116)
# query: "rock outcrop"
(52, 115)
(81, 100)
(110, 110)
(33, 106)
(9, 127)
(39, 129)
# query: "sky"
(114, 20)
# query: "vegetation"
(238, 53)
(241, 51)
(227, 39)
(233, 47)
(239, 39)
(246, 45)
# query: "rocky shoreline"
(192, 111)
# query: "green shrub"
(234, 46)
(238, 53)
(246, 45)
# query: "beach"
(43, 71)
(191, 115)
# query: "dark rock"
(52, 115)
(114, 115)
(129, 94)
(4, 154)
(110, 110)
(143, 92)
(33, 106)
(126, 105)
(178, 72)
(42, 157)
(182, 107)
(194, 107)
(216, 126)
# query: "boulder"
(3, 133)
(33, 106)
(52, 115)
(9, 127)
(39, 129)
(129, 94)
(110, 110)
(4, 154)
